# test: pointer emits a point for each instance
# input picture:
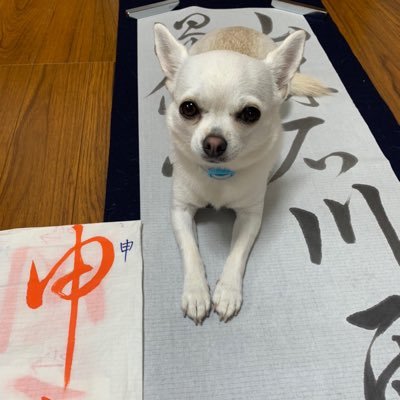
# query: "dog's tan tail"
(304, 85)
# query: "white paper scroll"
(71, 312)
(324, 275)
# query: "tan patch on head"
(237, 38)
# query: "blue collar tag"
(220, 173)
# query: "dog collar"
(220, 173)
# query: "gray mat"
(328, 249)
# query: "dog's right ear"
(170, 52)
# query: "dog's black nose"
(214, 146)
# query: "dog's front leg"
(196, 300)
(227, 298)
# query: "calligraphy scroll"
(71, 312)
(324, 270)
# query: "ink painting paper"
(71, 312)
(320, 314)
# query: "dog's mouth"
(215, 160)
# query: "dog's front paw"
(227, 300)
(196, 300)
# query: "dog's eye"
(249, 115)
(189, 109)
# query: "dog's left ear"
(285, 60)
(170, 52)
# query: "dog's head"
(225, 103)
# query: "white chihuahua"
(225, 126)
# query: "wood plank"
(54, 141)
(52, 31)
(372, 29)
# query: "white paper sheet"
(71, 312)
(293, 338)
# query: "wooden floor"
(56, 76)
(372, 29)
